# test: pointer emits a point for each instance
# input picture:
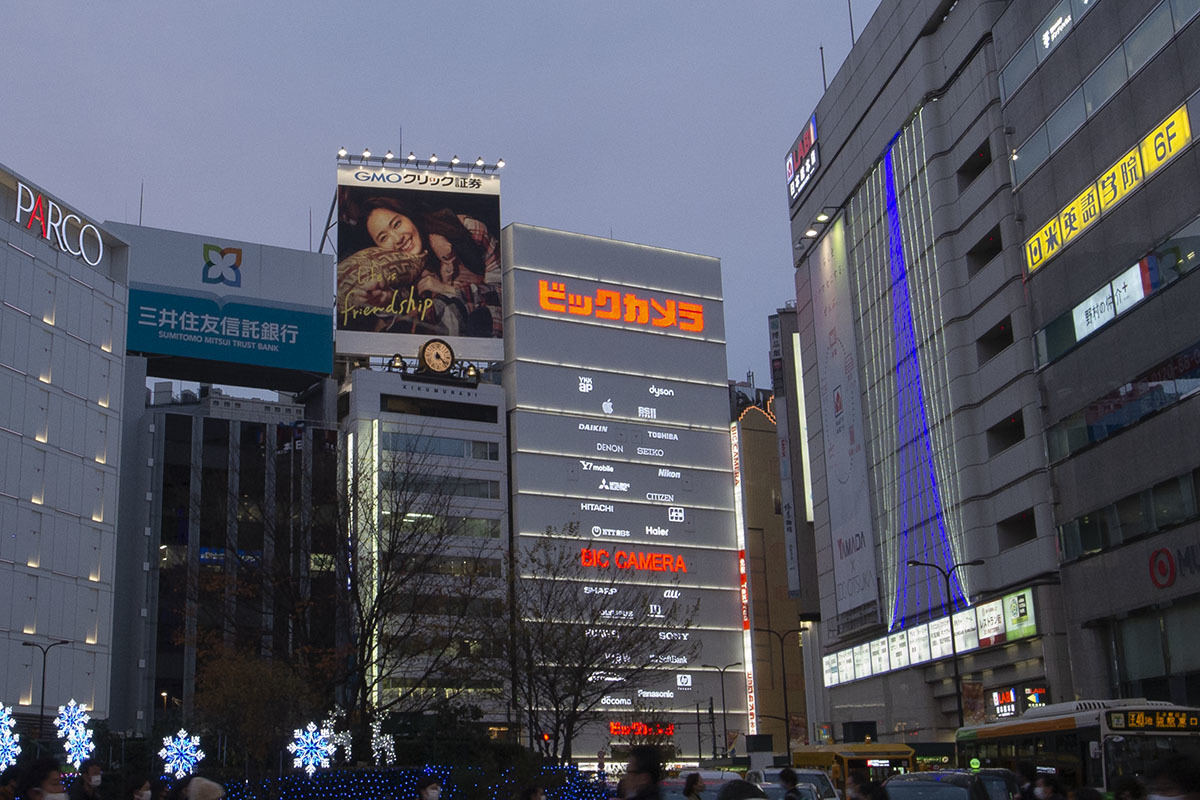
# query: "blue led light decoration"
(180, 754)
(79, 745)
(922, 522)
(10, 741)
(71, 724)
(69, 717)
(311, 748)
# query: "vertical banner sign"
(739, 517)
(851, 533)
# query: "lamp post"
(787, 716)
(724, 720)
(45, 648)
(946, 574)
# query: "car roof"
(952, 777)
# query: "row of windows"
(1162, 386)
(396, 442)
(1164, 505)
(1159, 268)
(1146, 40)
(404, 489)
(1049, 35)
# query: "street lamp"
(947, 573)
(724, 721)
(45, 649)
(787, 717)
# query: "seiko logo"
(618, 532)
(663, 435)
(592, 466)
(659, 391)
(593, 427)
(654, 530)
(666, 498)
(605, 507)
(655, 694)
(605, 447)
(650, 451)
(668, 473)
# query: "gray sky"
(662, 122)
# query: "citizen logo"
(666, 498)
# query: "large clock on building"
(435, 356)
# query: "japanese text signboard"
(1113, 185)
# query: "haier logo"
(222, 265)
(654, 530)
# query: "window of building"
(995, 341)
(1005, 433)
(1018, 70)
(1017, 529)
(975, 164)
(1031, 155)
(1183, 11)
(1068, 118)
(1148, 38)
(982, 252)
(1105, 81)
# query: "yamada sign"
(61, 227)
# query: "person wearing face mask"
(87, 784)
(141, 789)
(1176, 777)
(1048, 787)
(643, 773)
(42, 781)
(1027, 775)
(429, 788)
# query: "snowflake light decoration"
(70, 717)
(311, 748)
(180, 754)
(383, 745)
(79, 745)
(10, 745)
(341, 740)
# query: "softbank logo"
(222, 265)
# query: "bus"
(1087, 742)
(880, 759)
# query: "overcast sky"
(662, 122)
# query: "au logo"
(222, 265)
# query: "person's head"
(429, 788)
(90, 773)
(787, 776)
(10, 777)
(452, 242)
(1047, 786)
(694, 784)
(139, 788)
(533, 792)
(1027, 772)
(856, 779)
(1128, 787)
(393, 226)
(42, 781)
(1177, 776)
(644, 768)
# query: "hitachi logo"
(605, 507)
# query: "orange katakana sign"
(610, 304)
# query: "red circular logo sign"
(1162, 568)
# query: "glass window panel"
(1053, 30)
(1182, 640)
(1031, 155)
(1020, 68)
(1173, 501)
(1081, 7)
(1133, 516)
(1141, 644)
(1184, 10)
(1148, 38)
(1105, 81)
(1066, 120)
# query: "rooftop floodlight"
(411, 157)
(479, 161)
(454, 159)
(500, 163)
(388, 156)
(822, 217)
(366, 152)
(341, 152)
(433, 159)
(811, 233)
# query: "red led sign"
(622, 559)
(641, 729)
(609, 304)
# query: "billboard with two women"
(418, 257)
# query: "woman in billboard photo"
(423, 272)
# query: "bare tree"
(576, 638)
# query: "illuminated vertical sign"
(802, 160)
(744, 588)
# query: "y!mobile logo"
(222, 265)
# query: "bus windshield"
(1132, 754)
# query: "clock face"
(436, 356)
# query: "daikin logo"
(222, 265)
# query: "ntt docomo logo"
(623, 559)
(85, 244)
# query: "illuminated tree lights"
(180, 754)
(10, 746)
(71, 724)
(312, 748)
(383, 745)
(340, 739)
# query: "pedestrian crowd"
(42, 779)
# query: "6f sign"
(49, 215)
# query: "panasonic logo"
(656, 694)
(663, 435)
(668, 473)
